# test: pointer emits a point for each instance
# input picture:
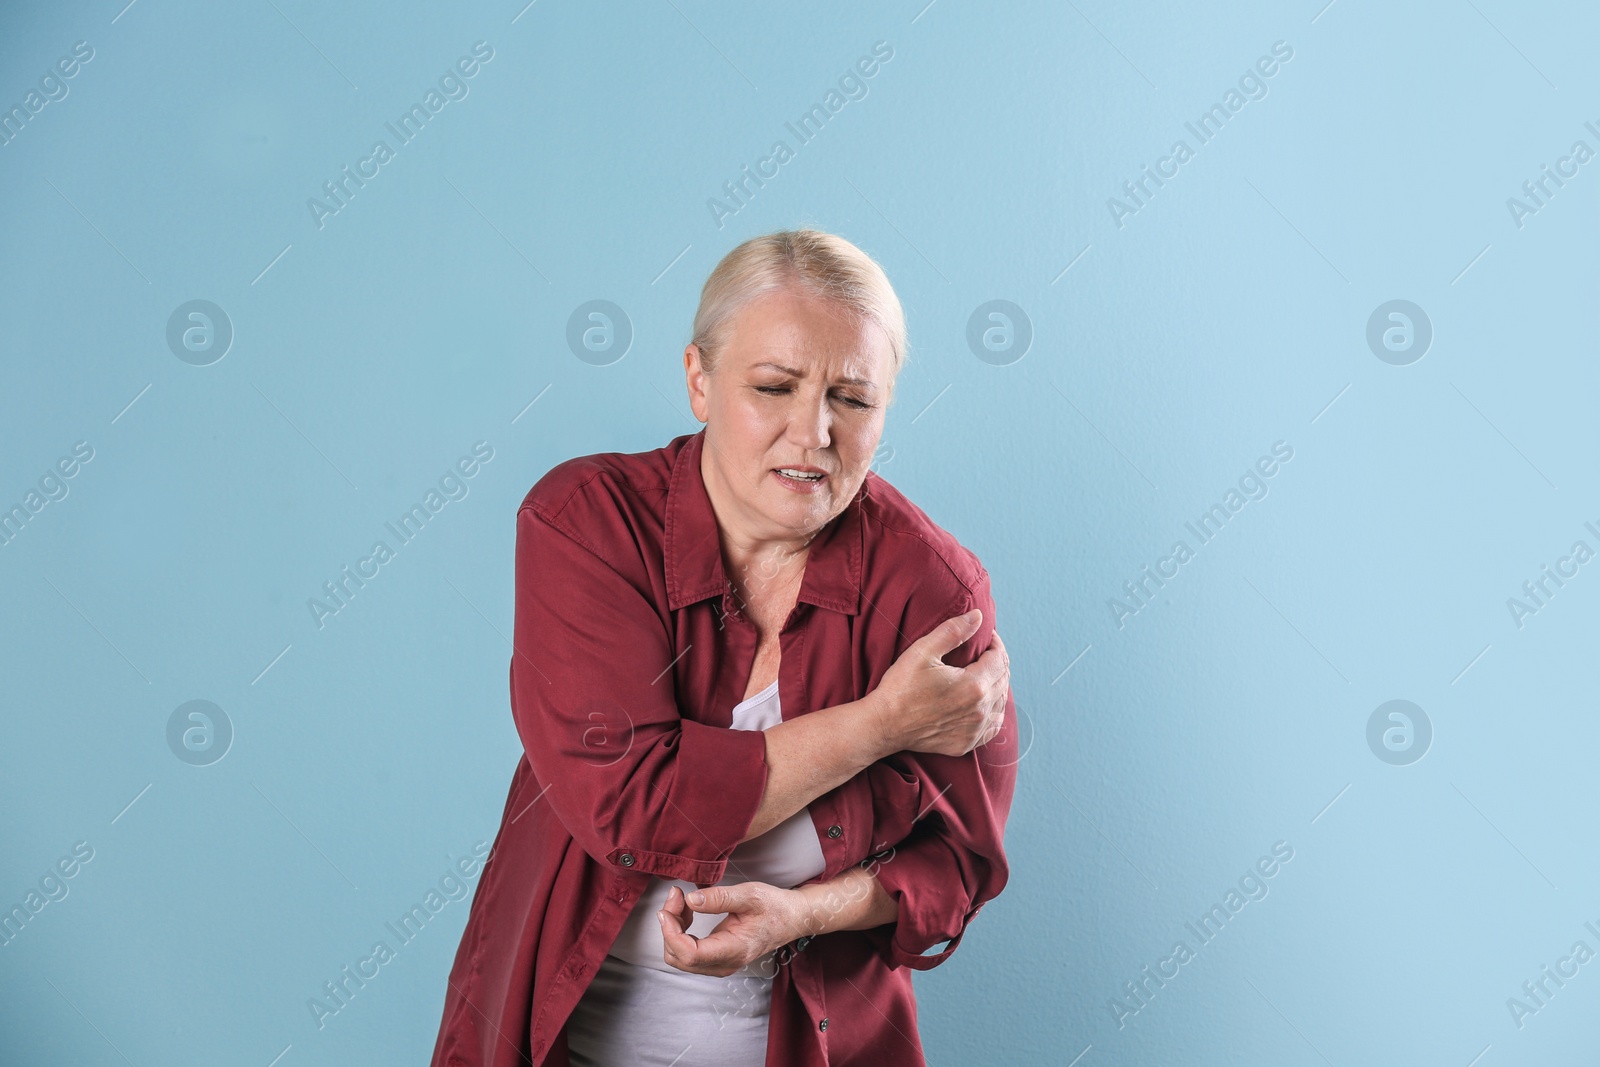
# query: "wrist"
(844, 903)
(880, 730)
(812, 910)
(805, 914)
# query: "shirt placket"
(827, 811)
(585, 958)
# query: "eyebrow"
(797, 374)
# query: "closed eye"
(775, 390)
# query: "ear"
(695, 379)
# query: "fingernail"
(697, 897)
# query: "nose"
(811, 422)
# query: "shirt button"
(800, 945)
(823, 1025)
(835, 830)
(626, 859)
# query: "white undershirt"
(641, 1010)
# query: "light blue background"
(1228, 313)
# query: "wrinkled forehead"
(836, 345)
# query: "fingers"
(722, 899)
(952, 633)
(677, 910)
(995, 720)
(995, 663)
(681, 946)
(996, 723)
(678, 913)
(719, 953)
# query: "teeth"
(800, 475)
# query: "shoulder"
(913, 562)
(576, 481)
(917, 575)
(584, 491)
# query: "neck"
(748, 545)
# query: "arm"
(621, 768)
(761, 919)
(947, 814)
(906, 899)
(811, 754)
(852, 900)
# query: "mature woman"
(770, 743)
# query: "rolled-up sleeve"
(951, 859)
(592, 695)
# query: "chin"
(800, 514)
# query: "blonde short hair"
(816, 262)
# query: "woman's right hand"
(926, 705)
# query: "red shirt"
(629, 656)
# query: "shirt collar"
(694, 549)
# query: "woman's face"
(798, 384)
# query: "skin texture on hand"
(762, 918)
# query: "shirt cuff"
(924, 876)
(719, 778)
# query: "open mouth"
(803, 479)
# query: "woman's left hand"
(761, 918)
